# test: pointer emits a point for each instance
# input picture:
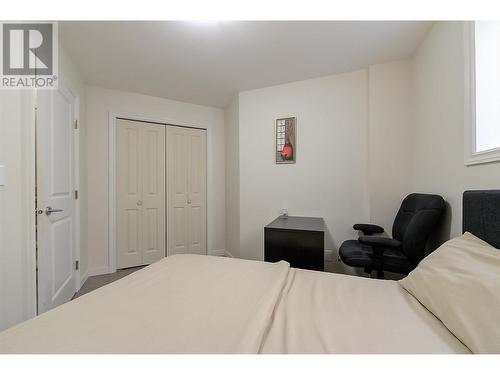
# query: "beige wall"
(354, 153)
(330, 176)
(100, 102)
(439, 127)
(232, 144)
(390, 139)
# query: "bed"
(204, 304)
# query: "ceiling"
(208, 62)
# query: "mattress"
(204, 304)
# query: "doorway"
(56, 194)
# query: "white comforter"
(202, 304)
(320, 312)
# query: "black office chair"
(416, 220)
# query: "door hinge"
(76, 124)
(76, 194)
(77, 265)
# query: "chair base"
(358, 255)
(379, 272)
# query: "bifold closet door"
(187, 186)
(140, 193)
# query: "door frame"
(112, 117)
(28, 106)
(77, 187)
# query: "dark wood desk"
(298, 240)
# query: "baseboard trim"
(330, 255)
(84, 278)
(98, 271)
(217, 253)
(228, 254)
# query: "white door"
(186, 191)
(197, 200)
(140, 187)
(55, 119)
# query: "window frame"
(471, 156)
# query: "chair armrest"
(368, 229)
(380, 242)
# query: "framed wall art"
(286, 140)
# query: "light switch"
(2, 175)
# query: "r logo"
(27, 49)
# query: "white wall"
(391, 133)
(17, 252)
(100, 102)
(407, 137)
(231, 136)
(329, 178)
(354, 155)
(439, 105)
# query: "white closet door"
(187, 191)
(128, 194)
(177, 224)
(140, 193)
(153, 192)
(197, 177)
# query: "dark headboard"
(481, 215)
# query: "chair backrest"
(416, 220)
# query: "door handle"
(49, 210)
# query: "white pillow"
(460, 284)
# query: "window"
(280, 134)
(482, 126)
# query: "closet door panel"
(177, 159)
(197, 191)
(128, 194)
(153, 196)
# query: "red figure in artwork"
(287, 151)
